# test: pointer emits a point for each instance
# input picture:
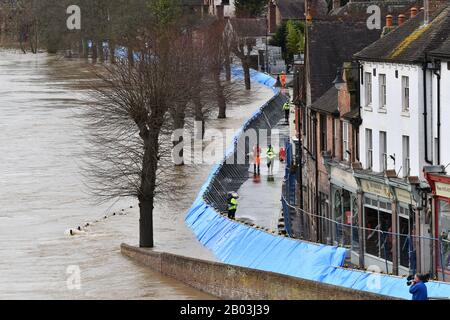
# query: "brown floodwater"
(42, 194)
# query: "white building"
(399, 131)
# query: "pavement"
(260, 196)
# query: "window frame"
(369, 151)
(406, 160)
(383, 150)
(345, 141)
(382, 91)
(368, 89)
(405, 94)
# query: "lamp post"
(266, 68)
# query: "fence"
(232, 174)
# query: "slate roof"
(330, 43)
(291, 9)
(443, 51)
(295, 9)
(358, 9)
(410, 42)
(328, 102)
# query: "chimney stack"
(308, 15)
(220, 11)
(401, 19)
(413, 12)
(336, 4)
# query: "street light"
(339, 82)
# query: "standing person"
(287, 110)
(418, 288)
(283, 79)
(257, 160)
(232, 205)
(270, 159)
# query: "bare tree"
(243, 33)
(126, 123)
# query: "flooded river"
(42, 145)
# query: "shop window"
(444, 232)
(406, 243)
(378, 223)
(372, 234)
(355, 224)
(386, 236)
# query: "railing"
(232, 175)
(378, 243)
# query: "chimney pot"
(413, 12)
(401, 19)
(308, 15)
(388, 20)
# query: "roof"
(295, 9)
(329, 43)
(291, 9)
(328, 102)
(410, 42)
(443, 51)
(249, 27)
(358, 9)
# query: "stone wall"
(237, 283)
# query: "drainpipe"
(425, 113)
(316, 148)
(437, 72)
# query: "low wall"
(237, 283)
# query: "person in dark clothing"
(418, 288)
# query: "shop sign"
(379, 189)
(403, 195)
(343, 178)
(442, 189)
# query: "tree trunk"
(94, 52)
(198, 110)
(146, 224)
(246, 67)
(178, 117)
(85, 48)
(227, 66)
(112, 52)
(101, 52)
(220, 96)
(130, 56)
(147, 189)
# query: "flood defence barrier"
(241, 245)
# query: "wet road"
(42, 194)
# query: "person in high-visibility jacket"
(232, 206)
(270, 159)
(287, 110)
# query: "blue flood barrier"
(238, 244)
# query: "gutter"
(437, 73)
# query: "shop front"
(344, 230)
(440, 184)
(388, 225)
